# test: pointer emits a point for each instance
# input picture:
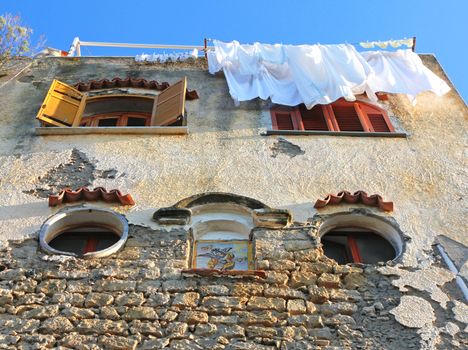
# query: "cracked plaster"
(225, 152)
(428, 279)
(414, 312)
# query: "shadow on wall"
(21, 211)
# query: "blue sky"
(441, 27)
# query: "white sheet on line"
(318, 74)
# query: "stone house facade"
(224, 176)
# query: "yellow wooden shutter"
(63, 105)
(169, 104)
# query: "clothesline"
(410, 43)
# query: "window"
(340, 116)
(84, 232)
(65, 106)
(352, 245)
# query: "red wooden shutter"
(378, 118)
(378, 123)
(313, 119)
(282, 120)
(347, 117)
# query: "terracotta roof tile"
(129, 82)
(68, 195)
(374, 200)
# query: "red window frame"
(363, 111)
(122, 118)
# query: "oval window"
(356, 245)
(84, 233)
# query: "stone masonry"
(140, 298)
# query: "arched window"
(221, 237)
(84, 232)
(356, 245)
(352, 237)
(339, 116)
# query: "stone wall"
(141, 298)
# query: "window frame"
(362, 109)
(71, 105)
(122, 119)
(352, 234)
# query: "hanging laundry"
(288, 74)
(384, 44)
(318, 74)
(402, 72)
(164, 57)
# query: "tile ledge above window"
(334, 133)
(226, 273)
(138, 130)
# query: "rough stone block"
(193, 317)
(183, 300)
(111, 285)
(204, 330)
(42, 312)
(265, 318)
(58, 325)
(80, 286)
(262, 332)
(149, 286)
(318, 295)
(102, 327)
(78, 313)
(98, 299)
(214, 290)
(50, 287)
(146, 328)
(140, 313)
(247, 289)
(262, 303)
(158, 299)
(284, 292)
(130, 299)
(177, 330)
(276, 277)
(307, 255)
(302, 278)
(328, 280)
(282, 265)
(179, 285)
(312, 321)
(296, 307)
(117, 343)
(343, 308)
(224, 302)
(231, 331)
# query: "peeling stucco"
(428, 279)
(413, 312)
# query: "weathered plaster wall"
(424, 175)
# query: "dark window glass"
(134, 121)
(118, 104)
(108, 122)
(359, 247)
(84, 240)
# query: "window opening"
(84, 240)
(350, 245)
(338, 116)
(65, 106)
(84, 232)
